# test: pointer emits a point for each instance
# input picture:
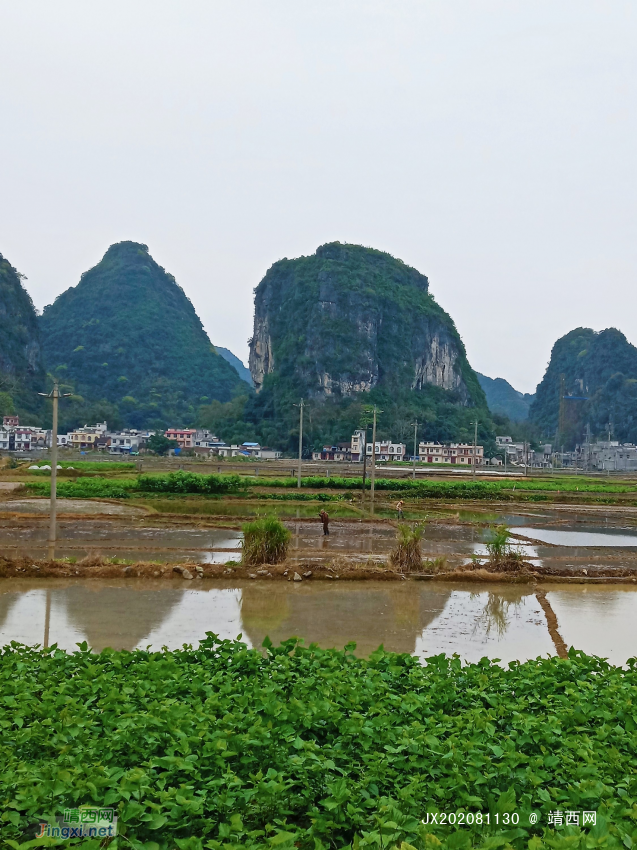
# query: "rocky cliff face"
(348, 319)
(21, 370)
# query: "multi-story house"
(431, 452)
(386, 450)
(184, 437)
(341, 451)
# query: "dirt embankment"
(340, 568)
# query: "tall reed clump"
(407, 555)
(499, 548)
(265, 541)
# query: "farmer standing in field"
(399, 507)
(326, 522)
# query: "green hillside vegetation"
(504, 399)
(128, 342)
(348, 326)
(599, 366)
(21, 369)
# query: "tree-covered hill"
(600, 379)
(345, 328)
(21, 370)
(128, 340)
(504, 399)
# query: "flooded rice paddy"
(498, 621)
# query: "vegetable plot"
(223, 747)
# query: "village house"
(386, 450)
(22, 438)
(184, 437)
(341, 451)
(250, 450)
(431, 452)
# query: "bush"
(265, 541)
(190, 482)
(407, 555)
(84, 488)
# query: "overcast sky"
(492, 145)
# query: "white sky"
(489, 143)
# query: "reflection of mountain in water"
(7, 600)
(333, 615)
(119, 616)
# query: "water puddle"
(505, 622)
(576, 539)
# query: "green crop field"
(222, 747)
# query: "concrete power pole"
(55, 396)
(373, 470)
(298, 478)
(415, 424)
(475, 443)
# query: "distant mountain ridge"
(504, 399)
(21, 370)
(240, 367)
(128, 339)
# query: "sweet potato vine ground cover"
(223, 747)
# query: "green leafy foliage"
(265, 541)
(190, 482)
(160, 445)
(128, 338)
(21, 369)
(84, 488)
(224, 748)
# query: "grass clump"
(407, 555)
(499, 548)
(265, 541)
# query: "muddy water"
(424, 619)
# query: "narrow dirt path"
(551, 621)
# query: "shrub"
(190, 482)
(407, 555)
(265, 541)
(84, 488)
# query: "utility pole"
(364, 463)
(373, 475)
(526, 458)
(415, 424)
(475, 443)
(55, 396)
(298, 477)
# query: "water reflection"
(426, 618)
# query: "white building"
(386, 450)
(457, 453)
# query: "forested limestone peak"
(21, 370)
(347, 319)
(129, 343)
(599, 373)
